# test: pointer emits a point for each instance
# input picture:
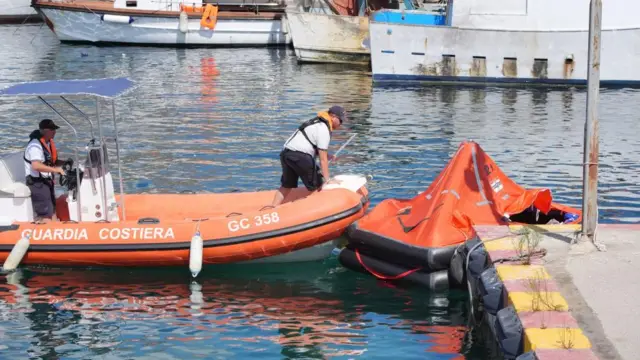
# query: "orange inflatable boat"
(97, 227)
(415, 239)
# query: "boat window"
(479, 66)
(568, 67)
(510, 67)
(540, 68)
(449, 65)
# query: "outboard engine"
(96, 194)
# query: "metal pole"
(342, 147)
(105, 210)
(115, 127)
(591, 137)
(449, 12)
(81, 113)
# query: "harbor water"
(214, 120)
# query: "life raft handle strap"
(233, 213)
(267, 207)
(384, 277)
(148, 220)
(407, 229)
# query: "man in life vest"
(308, 142)
(41, 163)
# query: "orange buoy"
(194, 9)
(209, 17)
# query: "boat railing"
(171, 5)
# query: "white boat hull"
(419, 53)
(89, 27)
(329, 38)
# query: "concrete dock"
(594, 293)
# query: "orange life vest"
(50, 152)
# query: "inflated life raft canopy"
(471, 190)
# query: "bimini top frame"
(110, 89)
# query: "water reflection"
(299, 310)
(209, 72)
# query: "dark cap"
(48, 124)
(339, 112)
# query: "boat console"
(95, 193)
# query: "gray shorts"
(42, 198)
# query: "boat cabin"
(540, 15)
(520, 15)
(88, 188)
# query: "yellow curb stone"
(556, 338)
(506, 243)
(549, 228)
(537, 301)
(517, 272)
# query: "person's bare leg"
(280, 195)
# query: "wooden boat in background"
(320, 38)
(149, 22)
(98, 228)
(337, 31)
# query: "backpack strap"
(306, 124)
(24, 156)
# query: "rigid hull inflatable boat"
(415, 239)
(98, 227)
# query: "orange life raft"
(158, 228)
(416, 238)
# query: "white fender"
(17, 253)
(195, 255)
(184, 22)
(120, 19)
